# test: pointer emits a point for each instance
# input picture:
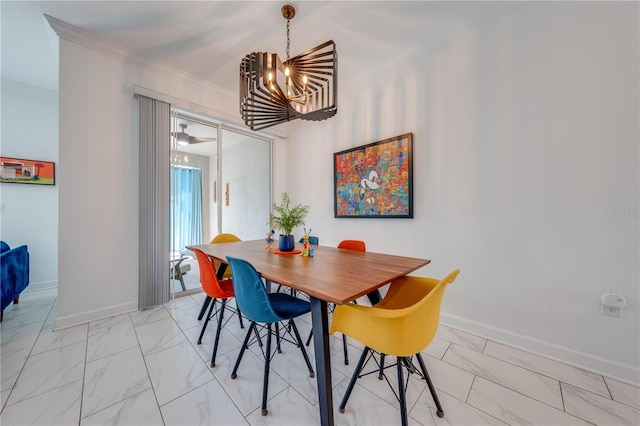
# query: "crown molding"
(28, 87)
(91, 41)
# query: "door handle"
(226, 195)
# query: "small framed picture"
(19, 170)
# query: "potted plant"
(285, 218)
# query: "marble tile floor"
(145, 368)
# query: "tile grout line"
(84, 375)
(27, 358)
(514, 390)
(144, 359)
(549, 376)
(206, 366)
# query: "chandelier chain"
(288, 41)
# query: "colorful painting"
(19, 170)
(375, 180)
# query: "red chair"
(216, 289)
(356, 245)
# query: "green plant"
(285, 217)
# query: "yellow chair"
(224, 238)
(402, 324)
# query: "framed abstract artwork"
(19, 170)
(375, 180)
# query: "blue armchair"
(14, 273)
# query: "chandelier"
(305, 86)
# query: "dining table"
(331, 275)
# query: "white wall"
(29, 213)
(98, 178)
(245, 167)
(526, 135)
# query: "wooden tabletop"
(334, 275)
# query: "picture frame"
(20, 170)
(375, 180)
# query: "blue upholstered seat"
(265, 308)
(14, 273)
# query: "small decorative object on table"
(269, 239)
(286, 218)
(306, 247)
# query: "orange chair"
(215, 289)
(356, 245)
(220, 238)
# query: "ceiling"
(207, 39)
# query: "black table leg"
(374, 297)
(220, 274)
(323, 359)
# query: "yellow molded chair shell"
(403, 323)
(224, 238)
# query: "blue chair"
(14, 274)
(268, 309)
(314, 241)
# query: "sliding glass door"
(220, 182)
(246, 188)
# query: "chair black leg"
(206, 321)
(381, 373)
(344, 348)
(352, 382)
(203, 310)
(255, 328)
(309, 338)
(243, 348)
(292, 324)
(239, 316)
(267, 361)
(215, 343)
(278, 338)
(423, 367)
(402, 393)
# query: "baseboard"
(43, 285)
(622, 372)
(98, 314)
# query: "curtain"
(154, 251)
(186, 207)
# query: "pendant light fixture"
(305, 86)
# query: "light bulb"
(286, 71)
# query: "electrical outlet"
(611, 311)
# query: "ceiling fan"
(183, 137)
